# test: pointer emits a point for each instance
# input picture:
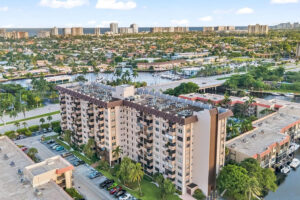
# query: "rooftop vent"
(5, 157)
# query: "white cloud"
(63, 3)
(284, 1)
(205, 19)
(3, 9)
(243, 11)
(116, 4)
(180, 22)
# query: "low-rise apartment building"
(22, 179)
(161, 66)
(183, 140)
(269, 141)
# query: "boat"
(286, 170)
(275, 94)
(295, 163)
(289, 95)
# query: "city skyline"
(99, 13)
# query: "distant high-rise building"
(208, 29)
(77, 31)
(125, 30)
(2, 32)
(43, 34)
(169, 29)
(135, 28)
(54, 31)
(97, 31)
(258, 29)
(114, 28)
(298, 50)
(66, 31)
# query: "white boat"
(286, 170)
(295, 163)
(289, 95)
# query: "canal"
(289, 189)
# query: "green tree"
(67, 136)
(136, 175)
(42, 120)
(17, 124)
(117, 152)
(168, 188)
(89, 148)
(124, 171)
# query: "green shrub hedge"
(34, 128)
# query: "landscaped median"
(30, 118)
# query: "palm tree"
(24, 124)
(135, 74)
(49, 118)
(253, 189)
(118, 72)
(117, 152)
(136, 175)
(17, 124)
(42, 120)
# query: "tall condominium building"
(125, 30)
(66, 31)
(2, 32)
(114, 28)
(97, 31)
(77, 31)
(184, 140)
(17, 35)
(208, 29)
(169, 29)
(54, 31)
(43, 34)
(258, 29)
(298, 50)
(135, 28)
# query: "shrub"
(22, 131)
(34, 128)
(198, 194)
(45, 126)
(10, 134)
(55, 124)
(28, 133)
(74, 193)
(103, 165)
(57, 129)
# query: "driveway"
(88, 188)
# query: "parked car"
(45, 130)
(107, 182)
(24, 148)
(112, 186)
(78, 162)
(120, 193)
(64, 155)
(125, 197)
(52, 145)
(55, 146)
(94, 174)
(115, 190)
(60, 148)
(49, 129)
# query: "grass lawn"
(34, 117)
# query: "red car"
(24, 148)
(115, 190)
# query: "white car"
(125, 197)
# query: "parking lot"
(86, 180)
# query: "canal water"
(148, 77)
(290, 188)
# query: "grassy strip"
(34, 117)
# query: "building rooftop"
(14, 185)
(268, 130)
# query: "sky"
(145, 13)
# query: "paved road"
(203, 82)
(31, 113)
(31, 122)
(88, 188)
